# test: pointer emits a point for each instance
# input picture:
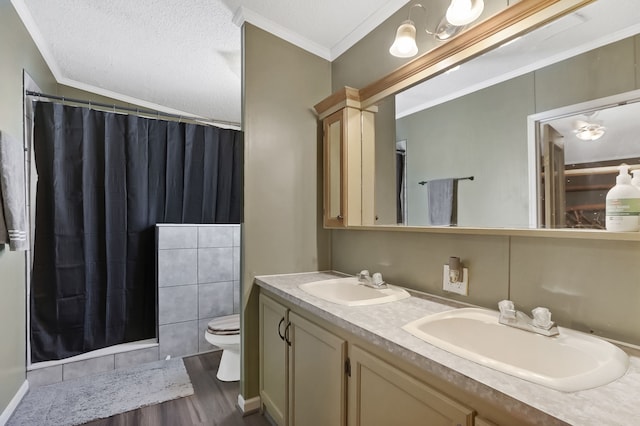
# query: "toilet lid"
(229, 324)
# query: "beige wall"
(282, 230)
(589, 285)
(17, 52)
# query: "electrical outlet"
(461, 287)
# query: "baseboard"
(250, 405)
(13, 404)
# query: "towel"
(13, 215)
(441, 196)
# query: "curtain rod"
(134, 110)
(424, 182)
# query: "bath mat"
(99, 396)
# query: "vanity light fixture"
(463, 12)
(459, 14)
(446, 30)
(404, 45)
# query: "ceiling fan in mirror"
(589, 129)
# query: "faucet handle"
(507, 309)
(377, 279)
(364, 274)
(542, 318)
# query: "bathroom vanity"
(329, 364)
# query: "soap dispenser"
(623, 204)
(636, 178)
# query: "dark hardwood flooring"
(213, 402)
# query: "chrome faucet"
(374, 281)
(540, 323)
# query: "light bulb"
(463, 12)
(404, 46)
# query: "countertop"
(613, 404)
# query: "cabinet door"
(381, 394)
(334, 192)
(317, 380)
(273, 358)
(342, 140)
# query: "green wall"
(17, 52)
(282, 230)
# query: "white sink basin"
(569, 362)
(347, 291)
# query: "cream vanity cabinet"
(307, 378)
(381, 394)
(274, 319)
(348, 160)
(302, 369)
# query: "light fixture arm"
(425, 16)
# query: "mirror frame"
(515, 20)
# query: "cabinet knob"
(340, 217)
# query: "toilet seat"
(228, 325)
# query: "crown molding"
(372, 22)
(244, 14)
(30, 24)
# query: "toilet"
(224, 332)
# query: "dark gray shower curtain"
(104, 181)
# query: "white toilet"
(224, 332)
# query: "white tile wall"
(44, 376)
(87, 367)
(132, 358)
(178, 339)
(198, 280)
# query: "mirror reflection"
(473, 122)
(581, 150)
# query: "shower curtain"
(104, 181)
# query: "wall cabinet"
(302, 376)
(348, 160)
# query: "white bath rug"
(99, 396)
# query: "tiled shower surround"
(198, 272)
(198, 279)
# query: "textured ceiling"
(183, 57)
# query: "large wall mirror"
(463, 137)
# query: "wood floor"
(213, 402)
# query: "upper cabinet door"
(334, 193)
(349, 160)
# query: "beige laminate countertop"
(613, 404)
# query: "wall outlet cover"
(461, 287)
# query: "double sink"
(570, 361)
